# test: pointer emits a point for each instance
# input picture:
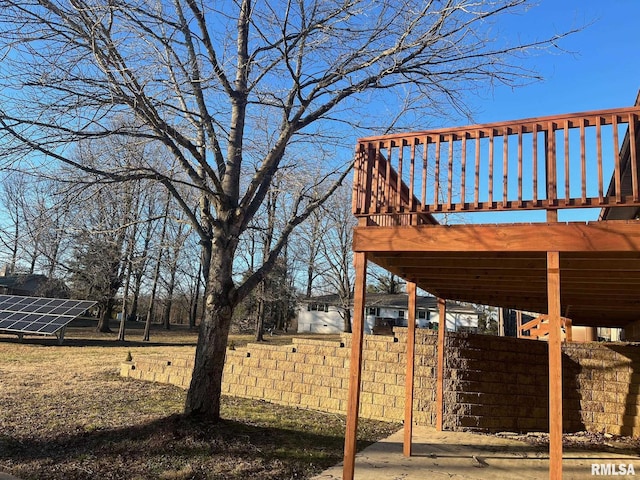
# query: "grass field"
(65, 413)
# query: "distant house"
(324, 314)
(21, 284)
(30, 285)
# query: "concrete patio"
(469, 456)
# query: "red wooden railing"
(540, 163)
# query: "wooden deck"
(588, 273)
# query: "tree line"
(129, 247)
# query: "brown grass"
(65, 413)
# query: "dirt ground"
(66, 414)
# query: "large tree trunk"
(103, 322)
(203, 397)
(347, 319)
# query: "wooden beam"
(355, 365)
(555, 366)
(442, 329)
(609, 236)
(528, 124)
(408, 385)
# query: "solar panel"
(37, 315)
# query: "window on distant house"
(400, 313)
(422, 314)
(374, 311)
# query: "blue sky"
(598, 68)
(601, 71)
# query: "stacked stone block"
(315, 374)
(606, 386)
(495, 384)
(490, 383)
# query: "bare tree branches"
(235, 91)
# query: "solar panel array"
(44, 316)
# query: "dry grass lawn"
(65, 413)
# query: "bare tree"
(335, 245)
(156, 271)
(176, 237)
(13, 233)
(201, 78)
(99, 263)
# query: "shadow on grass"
(228, 449)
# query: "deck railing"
(540, 163)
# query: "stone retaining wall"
(491, 383)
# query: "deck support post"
(408, 385)
(442, 329)
(355, 365)
(519, 323)
(555, 366)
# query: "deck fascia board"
(603, 236)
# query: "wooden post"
(408, 385)
(555, 366)
(355, 365)
(519, 323)
(442, 328)
(568, 330)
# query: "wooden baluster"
(398, 203)
(436, 184)
(505, 166)
(634, 155)
(476, 193)
(616, 159)
(387, 184)
(450, 174)
(583, 163)
(599, 159)
(425, 152)
(552, 191)
(567, 173)
(519, 165)
(360, 182)
(463, 171)
(491, 134)
(534, 148)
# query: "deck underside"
(506, 265)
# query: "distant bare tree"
(335, 244)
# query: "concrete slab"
(461, 455)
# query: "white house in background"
(324, 314)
